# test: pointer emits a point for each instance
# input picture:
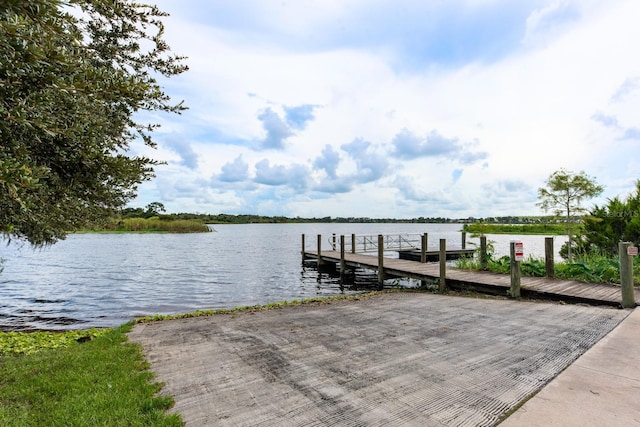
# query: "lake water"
(103, 280)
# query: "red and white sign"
(518, 251)
(632, 250)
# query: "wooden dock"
(433, 256)
(480, 281)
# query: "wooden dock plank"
(604, 293)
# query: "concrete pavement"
(601, 388)
(400, 359)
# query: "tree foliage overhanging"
(74, 74)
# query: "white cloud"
(352, 125)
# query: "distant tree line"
(157, 209)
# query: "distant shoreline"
(543, 228)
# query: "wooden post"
(319, 250)
(380, 261)
(443, 265)
(626, 275)
(483, 252)
(303, 248)
(333, 246)
(549, 255)
(423, 248)
(353, 243)
(343, 264)
(514, 292)
(464, 240)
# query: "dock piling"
(319, 250)
(343, 264)
(380, 261)
(423, 248)
(443, 265)
(548, 257)
(483, 252)
(514, 291)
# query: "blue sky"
(398, 108)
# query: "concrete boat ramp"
(394, 359)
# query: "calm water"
(107, 279)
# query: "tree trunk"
(569, 252)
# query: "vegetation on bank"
(546, 228)
(82, 379)
(157, 209)
(15, 343)
(589, 268)
(151, 225)
(270, 306)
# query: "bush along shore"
(150, 225)
(541, 228)
(590, 268)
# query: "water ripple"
(99, 280)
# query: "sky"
(395, 109)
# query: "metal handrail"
(392, 242)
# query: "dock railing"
(392, 242)
(364, 243)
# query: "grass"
(591, 268)
(15, 343)
(152, 225)
(102, 380)
(543, 228)
(269, 306)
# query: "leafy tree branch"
(73, 76)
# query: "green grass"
(15, 343)
(269, 306)
(152, 225)
(543, 228)
(101, 382)
(592, 268)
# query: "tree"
(75, 76)
(564, 193)
(154, 209)
(618, 220)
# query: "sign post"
(626, 252)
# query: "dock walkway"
(481, 281)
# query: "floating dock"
(434, 256)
